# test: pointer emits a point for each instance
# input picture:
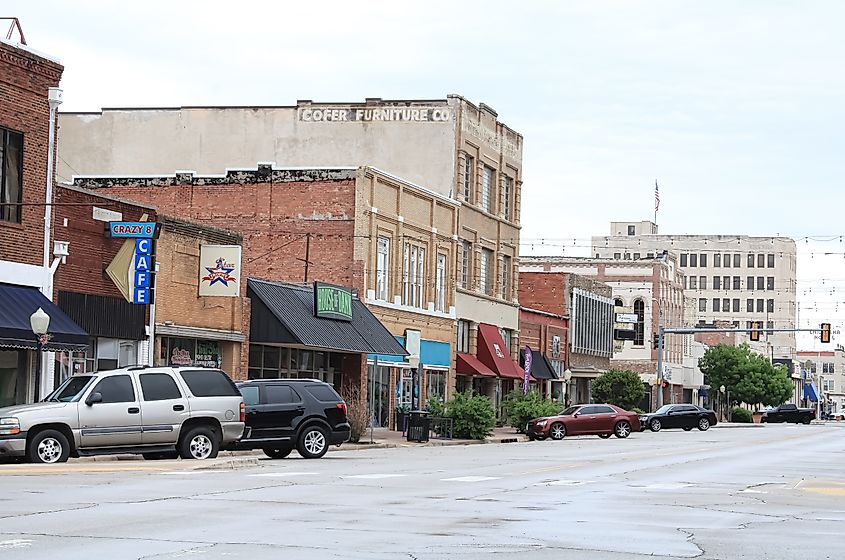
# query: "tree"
(620, 387)
(749, 377)
(520, 408)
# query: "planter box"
(756, 417)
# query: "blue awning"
(811, 392)
(18, 303)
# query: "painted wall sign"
(133, 229)
(220, 270)
(332, 302)
(335, 113)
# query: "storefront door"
(378, 395)
(13, 368)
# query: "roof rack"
(138, 366)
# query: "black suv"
(283, 414)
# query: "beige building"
(449, 146)
(729, 278)
(826, 371)
(652, 288)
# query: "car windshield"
(570, 411)
(71, 390)
(663, 409)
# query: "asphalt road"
(772, 492)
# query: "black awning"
(541, 368)
(109, 317)
(18, 303)
(284, 314)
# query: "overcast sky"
(735, 108)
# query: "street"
(772, 492)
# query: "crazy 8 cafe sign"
(375, 114)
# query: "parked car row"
(605, 420)
(167, 412)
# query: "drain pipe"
(54, 97)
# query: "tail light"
(243, 412)
(342, 406)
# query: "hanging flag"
(656, 196)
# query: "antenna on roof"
(15, 24)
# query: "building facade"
(731, 278)
(28, 84)
(825, 370)
(547, 336)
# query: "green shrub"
(435, 406)
(741, 415)
(520, 408)
(638, 411)
(473, 415)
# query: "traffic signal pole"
(661, 335)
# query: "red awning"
(467, 364)
(494, 354)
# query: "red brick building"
(547, 334)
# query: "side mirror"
(94, 398)
(576, 415)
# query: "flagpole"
(656, 201)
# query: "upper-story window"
(770, 260)
(414, 275)
(382, 267)
(469, 177)
(717, 260)
(632, 230)
(737, 260)
(693, 259)
(750, 260)
(466, 263)
(485, 271)
(506, 277)
(506, 198)
(488, 181)
(463, 336)
(440, 283)
(11, 175)
(684, 260)
(702, 259)
(726, 261)
(761, 260)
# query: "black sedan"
(686, 416)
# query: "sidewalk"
(384, 438)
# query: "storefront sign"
(133, 229)
(529, 359)
(627, 318)
(220, 270)
(332, 302)
(334, 113)
(142, 274)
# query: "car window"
(604, 410)
(250, 395)
(159, 387)
(589, 410)
(71, 390)
(569, 411)
(209, 383)
(663, 409)
(116, 389)
(323, 393)
(281, 394)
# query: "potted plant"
(402, 412)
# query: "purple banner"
(529, 358)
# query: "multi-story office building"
(736, 279)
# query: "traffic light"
(825, 333)
(655, 341)
(755, 334)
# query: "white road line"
(374, 476)
(15, 543)
(564, 483)
(284, 474)
(470, 478)
(665, 486)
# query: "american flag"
(656, 197)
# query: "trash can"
(418, 426)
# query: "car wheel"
(806, 420)
(277, 453)
(48, 446)
(557, 431)
(531, 438)
(605, 436)
(313, 442)
(655, 425)
(622, 429)
(688, 428)
(703, 424)
(158, 456)
(199, 443)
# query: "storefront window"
(12, 377)
(378, 395)
(178, 352)
(436, 384)
(273, 362)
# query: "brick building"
(547, 334)
(588, 305)
(28, 80)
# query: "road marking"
(564, 483)
(285, 474)
(665, 486)
(374, 476)
(470, 478)
(15, 543)
(826, 490)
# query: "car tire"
(531, 438)
(199, 443)
(622, 429)
(605, 436)
(313, 442)
(160, 455)
(277, 452)
(557, 431)
(48, 447)
(655, 425)
(806, 420)
(703, 424)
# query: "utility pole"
(660, 340)
(307, 254)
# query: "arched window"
(618, 302)
(639, 328)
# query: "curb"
(734, 425)
(230, 464)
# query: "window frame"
(11, 210)
(469, 177)
(175, 385)
(383, 268)
(488, 188)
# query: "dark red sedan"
(603, 420)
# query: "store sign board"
(220, 270)
(332, 302)
(133, 229)
(626, 317)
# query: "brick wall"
(24, 80)
(90, 250)
(273, 211)
(545, 291)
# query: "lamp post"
(724, 405)
(567, 377)
(40, 322)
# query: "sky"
(733, 108)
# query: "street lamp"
(40, 322)
(567, 376)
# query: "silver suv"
(155, 411)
